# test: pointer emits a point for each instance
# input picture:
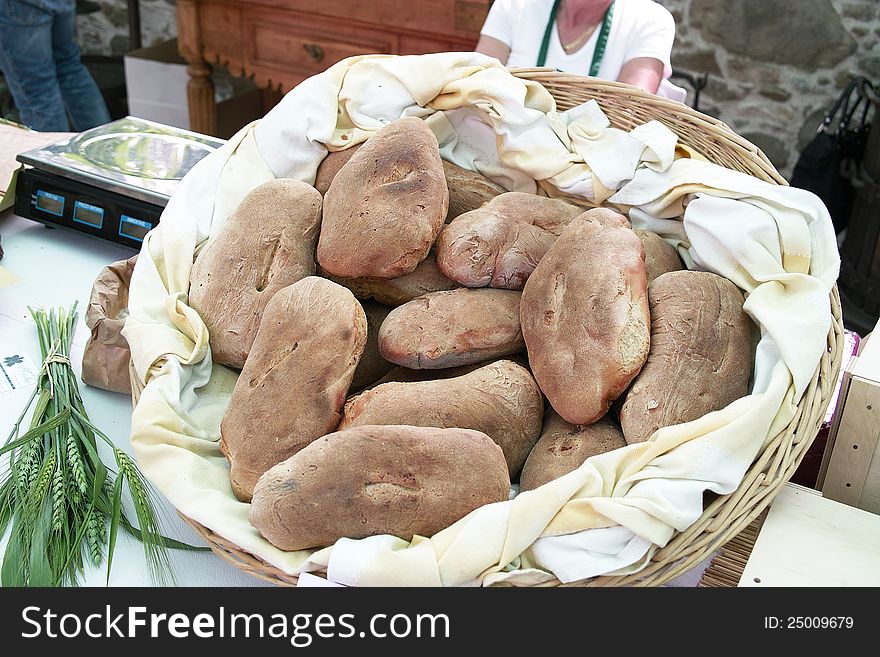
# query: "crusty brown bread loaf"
(700, 358)
(660, 257)
(294, 383)
(369, 480)
(397, 291)
(584, 315)
(500, 399)
(331, 165)
(268, 243)
(386, 205)
(563, 448)
(372, 366)
(468, 190)
(499, 244)
(448, 329)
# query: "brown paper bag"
(106, 358)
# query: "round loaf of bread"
(368, 480)
(499, 244)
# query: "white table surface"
(56, 268)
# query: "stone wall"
(105, 32)
(776, 66)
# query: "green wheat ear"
(59, 500)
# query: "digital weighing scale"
(110, 182)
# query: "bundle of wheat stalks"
(56, 494)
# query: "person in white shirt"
(625, 40)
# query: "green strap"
(601, 42)
(542, 54)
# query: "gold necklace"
(571, 46)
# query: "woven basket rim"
(727, 515)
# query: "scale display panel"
(136, 229)
(49, 202)
(64, 203)
(88, 214)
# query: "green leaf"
(91, 427)
(27, 405)
(114, 523)
(89, 444)
(74, 555)
(163, 541)
(37, 431)
(40, 570)
(6, 511)
(40, 408)
(12, 572)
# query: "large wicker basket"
(727, 515)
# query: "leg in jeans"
(81, 95)
(28, 65)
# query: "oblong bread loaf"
(267, 244)
(293, 386)
(448, 329)
(585, 318)
(500, 399)
(563, 447)
(398, 291)
(386, 205)
(468, 190)
(660, 257)
(331, 165)
(400, 374)
(372, 366)
(368, 480)
(700, 358)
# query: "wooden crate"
(808, 540)
(851, 467)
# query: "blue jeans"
(40, 60)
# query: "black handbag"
(826, 165)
